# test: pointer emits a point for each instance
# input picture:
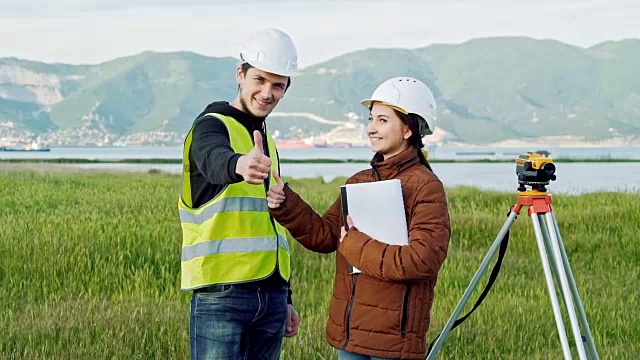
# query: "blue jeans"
(237, 322)
(345, 355)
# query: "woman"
(384, 311)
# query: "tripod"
(549, 243)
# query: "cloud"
(321, 30)
(65, 7)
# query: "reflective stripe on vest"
(212, 247)
(219, 246)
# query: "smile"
(262, 103)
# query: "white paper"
(377, 209)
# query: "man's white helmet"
(271, 50)
(410, 96)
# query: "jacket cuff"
(351, 246)
(231, 168)
(284, 211)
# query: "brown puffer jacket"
(385, 310)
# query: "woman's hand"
(343, 232)
(275, 195)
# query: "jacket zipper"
(375, 172)
(405, 310)
(349, 307)
(407, 289)
(355, 280)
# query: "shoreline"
(566, 141)
(293, 161)
(453, 175)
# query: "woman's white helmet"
(271, 50)
(410, 96)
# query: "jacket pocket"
(405, 310)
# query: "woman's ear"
(407, 132)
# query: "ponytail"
(415, 140)
(423, 154)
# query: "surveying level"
(535, 171)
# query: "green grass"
(89, 268)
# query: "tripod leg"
(535, 218)
(472, 285)
(564, 282)
(550, 254)
(553, 224)
(589, 346)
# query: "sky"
(91, 32)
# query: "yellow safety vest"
(232, 238)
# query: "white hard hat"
(410, 96)
(271, 50)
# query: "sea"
(572, 178)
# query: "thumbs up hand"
(257, 140)
(255, 165)
(275, 195)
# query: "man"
(235, 257)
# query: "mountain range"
(487, 90)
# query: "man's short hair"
(246, 66)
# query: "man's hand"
(293, 322)
(343, 232)
(275, 195)
(255, 165)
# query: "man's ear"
(288, 86)
(239, 74)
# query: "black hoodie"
(213, 161)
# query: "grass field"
(89, 269)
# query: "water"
(355, 153)
(573, 178)
(470, 153)
(102, 153)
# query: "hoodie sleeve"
(211, 152)
(429, 233)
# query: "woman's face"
(387, 133)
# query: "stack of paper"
(377, 209)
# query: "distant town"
(83, 137)
(347, 135)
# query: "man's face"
(260, 91)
